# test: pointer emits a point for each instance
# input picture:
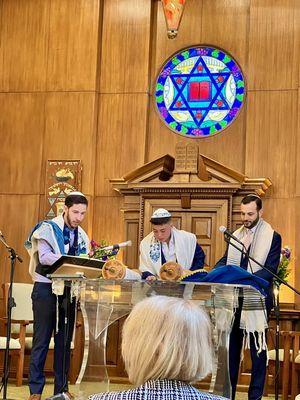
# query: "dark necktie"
(67, 233)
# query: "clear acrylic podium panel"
(103, 302)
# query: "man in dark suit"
(264, 245)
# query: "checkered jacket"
(160, 390)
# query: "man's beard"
(252, 225)
(68, 222)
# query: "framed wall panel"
(73, 45)
(18, 215)
(70, 132)
(24, 45)
(281, 213)
(273, 42)
(125, 59)
(108, 222)
(122, 127)
(271, 139)
(22, 133)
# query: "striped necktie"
(247, 239)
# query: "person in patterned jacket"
(166, 345)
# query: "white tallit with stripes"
(253, 316)
(150, 251)
(259, 249)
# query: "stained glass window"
(199, 91)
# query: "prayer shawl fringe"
(253, 316)
(224, 304)
(254, 319)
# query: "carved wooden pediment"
(189, 170)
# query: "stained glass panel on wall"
(199, 91)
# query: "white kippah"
(161, 213)
(76, 194)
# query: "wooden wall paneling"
(189, 33)
(212, 213)
(114, 340)
(125, 46)
(131, 232)
(21, 130)
(161, 140)
(297, 39)
(122, 126)
(280, 213)
(225, 24)
(204, 22)
(70, 132)
(87, 224)
(113, 347)
(273, 51)
(18, 215)
(108, 221)
(271, 139)
(23, 45)
(296, 252)
(204, 226)
(297, 122)
(73, 45)
(1, 13)
(297, 198)
(297, 202)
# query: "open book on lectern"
(70, 265)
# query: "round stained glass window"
(199, 91)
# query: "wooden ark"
(200, 193)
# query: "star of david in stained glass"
(199, 91)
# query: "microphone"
(224, 230)
(117, 246)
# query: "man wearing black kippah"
(48, 241)
(264, 245)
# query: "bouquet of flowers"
(283, 270)
(99, 252)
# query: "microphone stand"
(276, 307)
(263, 267)
(10, 304)
(66, 306)
(277, 336)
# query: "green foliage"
(98, 251)
(283, 270)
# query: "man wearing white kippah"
(47, 242)
(166, 243)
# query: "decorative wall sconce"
(173, 10)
